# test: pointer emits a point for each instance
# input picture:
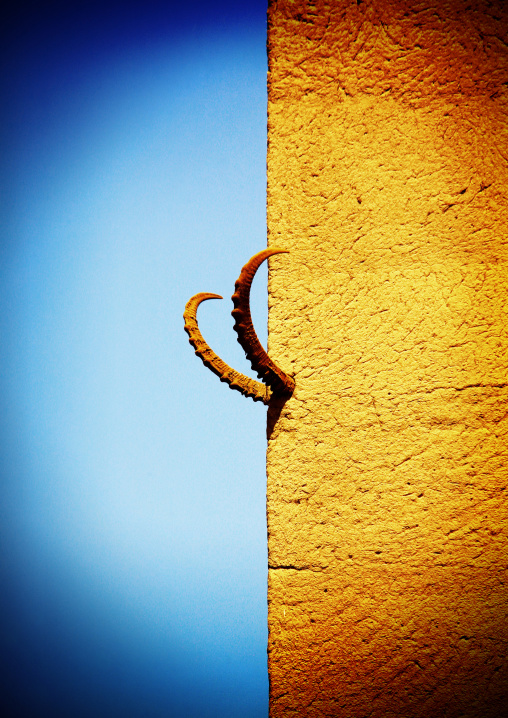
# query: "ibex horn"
(275, 381)
(240, 382)
(280, 382)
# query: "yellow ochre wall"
(387, 471)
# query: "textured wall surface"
(387, 472)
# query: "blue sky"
(133, 481)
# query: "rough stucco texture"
(387, 474)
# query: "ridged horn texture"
(240, 382)
(280, 382)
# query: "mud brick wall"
(387, 468)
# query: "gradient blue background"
(133, 481)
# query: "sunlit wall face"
(133, 482)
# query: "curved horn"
(279, 381)
(240, 382)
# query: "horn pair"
(274, 382)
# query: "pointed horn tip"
(203, 296)
(252, 266)
(267, 253)
(192, 306)
(260, 257)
